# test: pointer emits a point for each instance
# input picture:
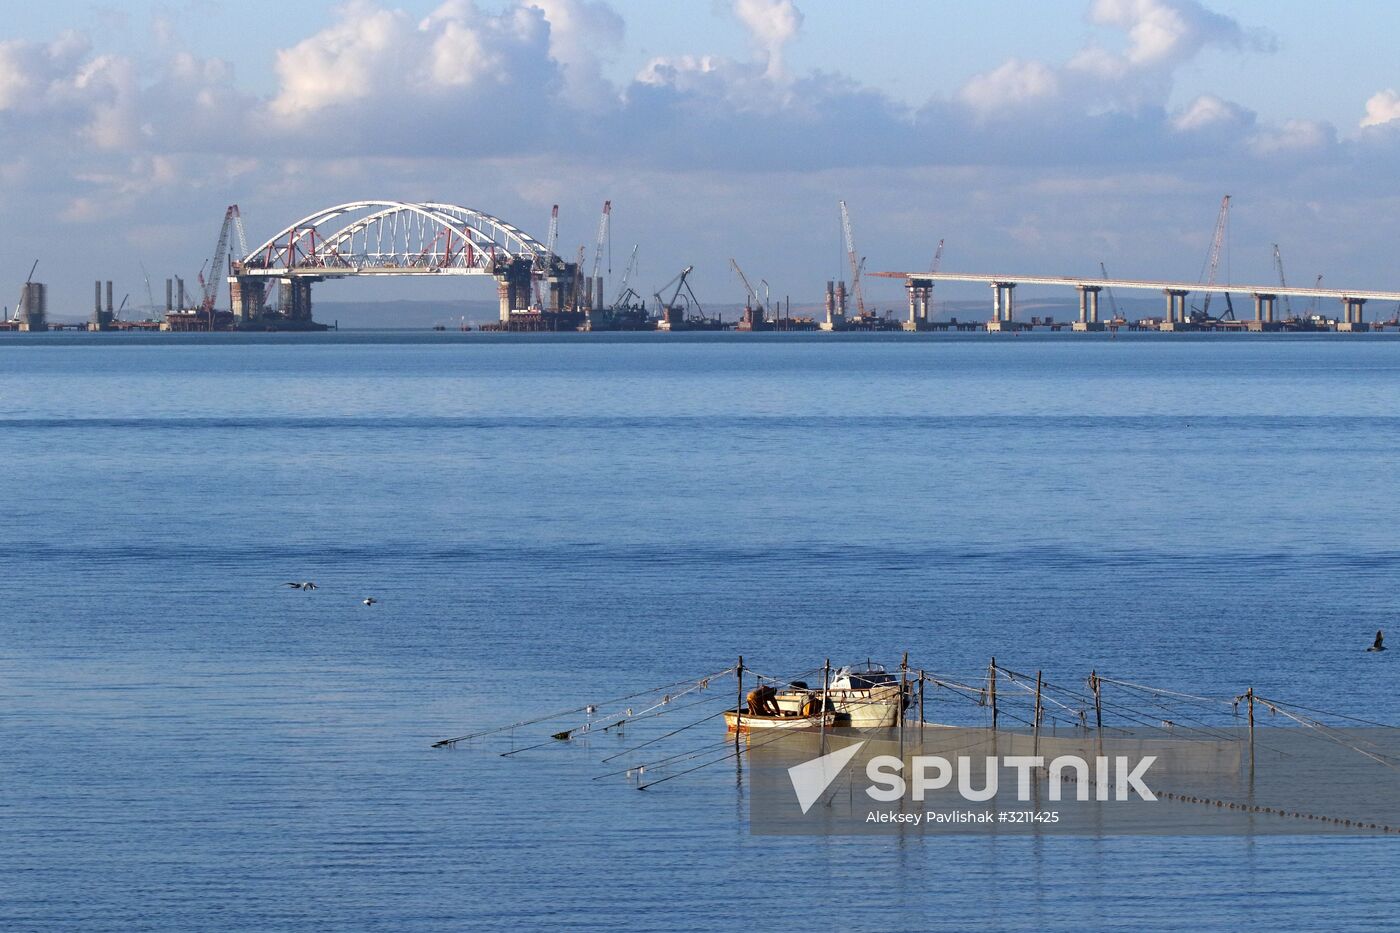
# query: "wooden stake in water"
(1038, 709)
(821, 710)
(921, 699)
(992, 679)
(903, 692)
(1095, 686)
(1249, 695)
(739, 707)
(1098, 699)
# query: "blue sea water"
(185, 744)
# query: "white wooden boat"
(744, 721)
(863, 696)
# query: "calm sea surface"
(185, 744)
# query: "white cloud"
(1294, 137)
(1014, 84)
(583, 34)
(1158, 36)
(1382, 107)
(341, 63)
(1161, 33)
(772, 24)
(1208, 112)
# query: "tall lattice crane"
(627, 297)
(937, 258)
(856, 264)
(547, 260)
(231, 233)
(1213, 258)
(750, 296)
(1278, 264)
(1312, 302)
(553, 237)
(604, 226)
(1112, 303)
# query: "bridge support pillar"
(1264, 308)
(1003, 301)
(1353, 314)
(247, 295)
(1089, 303)
(515, 283)
(1176, 305)
(919, 299)
(294, 296)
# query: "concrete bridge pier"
(1176, 307)
(1003, 307)
(247, 295)
(294, 297)
(1353, 314)
(515, 287)
(919, 296)
(1088, 308)
(1264, 307)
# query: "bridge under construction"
(919, 286)
(397, 238)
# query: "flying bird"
(1379, 644)
(306, 585)
(369, 600)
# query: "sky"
(1034, 138)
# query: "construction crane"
(1312, 302)
(856, 264)
(937, 258)
(231, 233)
(628, 301)
(751, 298)
(681, 283)
(547, 260)
(1112, 303)
(604, 226)
(551, 239)
(624, 290)
(1213, 258)
(578, 280)
(150, 297)
(1278, 264)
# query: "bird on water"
(369, 600)
(304, 585)
(1379, 643)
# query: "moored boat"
(744, 721)
(863, 697)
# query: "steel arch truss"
(398, 238)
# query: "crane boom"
(552, 238)
(937, 258)
(1112, 304)
(231, 230)
(604, 224)
(1278, 264)
(751, 296)
(627, 274)
(851, 257)
(1213, 259)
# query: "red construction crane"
(231, 233)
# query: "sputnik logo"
(811, 778)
